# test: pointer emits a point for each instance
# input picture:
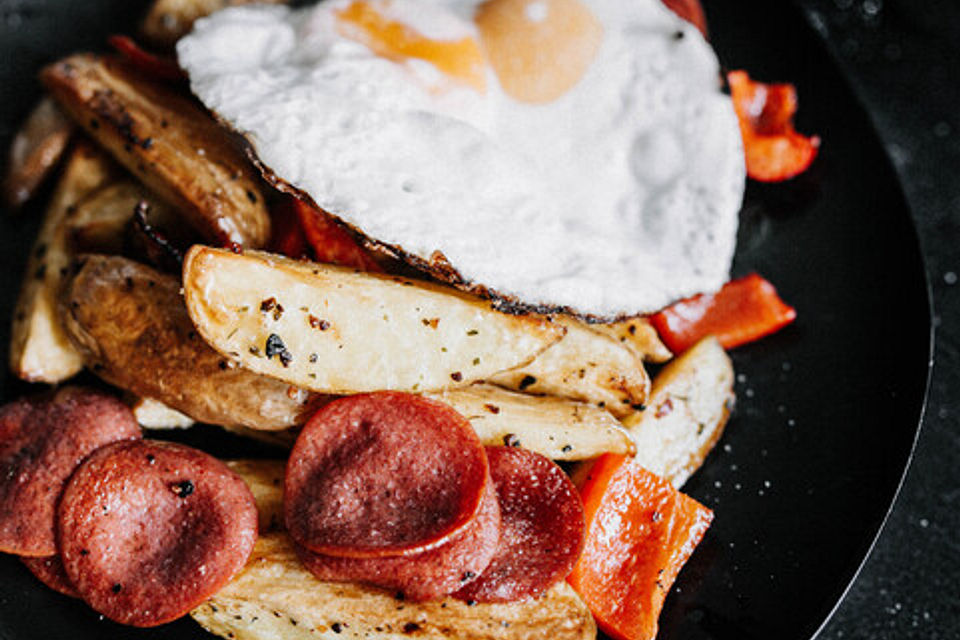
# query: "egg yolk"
(460, 59)
(539, 49)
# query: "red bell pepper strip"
(639, 533)
(159, 67)
(286, 233)
(742, 311)
(330, 242)
(691, 11)
(774, 150)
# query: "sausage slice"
(426, 576)
(42, 440)
(149, 530)
(50, 572)
(542, 528)
(383, 474)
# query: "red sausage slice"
(383, 474)
(149, 530)
(542, 528)
(425, 576)
(42, 440)
(50, 572)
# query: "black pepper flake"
(84, 552)
(224, 365)
(678, 35)
(467, 575)
(527, 381)
(147, 143)
(471, 603)
(492, 408)
(318, 323)
(456, 376)
(251, 196)
(182, 488)
(127, 147)
(566, 448)
(632, 329)
(638, 407)
(128, 281)
(472, 332)
(275, 347)
(336, 627)
(116, 588)
(430, 322)
(94, 124)
(164, 124)
(411, 627)
(293, 622)
(40, 272)
(511, 440)
(312, 358)
(150, 458)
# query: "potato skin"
(131, 326)
(176, 149)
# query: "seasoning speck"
(183, 488)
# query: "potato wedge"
(638, 335)
(275, 598)
(153, 414)
(587, 366)
(40, 350)
(36, 149)
(335, 330)
(169, 20)
(557, 428)
(688, 408)
(163, 138)
(265, 479)
(130, 324)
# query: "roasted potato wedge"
(689, 405)
(98, 223)
(130, 324)
(557, 428)
(37, 148)
(335, 330)
(153, 414)
(638, 335)
(169, 20)
(587, 366)
(275, 598)
(40, 350)
(163, 138)
(265, 479)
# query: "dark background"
(903, 59)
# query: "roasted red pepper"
(150, 63)
(640, 532)
(691, 11)
(742, 311)
(774, 150)
(286, 233)
(329, 241)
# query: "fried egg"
(563, 153)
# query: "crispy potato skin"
(275, 598)
(689, 405)
(638, 335)
(168, 142)
(130, 324)
(169, 20)
(335, 330)
(37, 148)
(40, 350)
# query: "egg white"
(619, 197)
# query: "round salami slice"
(542, 528)
(426, 576)
(50, 572)
(383, 474)
(149, 530)
(42, 440)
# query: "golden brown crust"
(133, 330)
(168, 142)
